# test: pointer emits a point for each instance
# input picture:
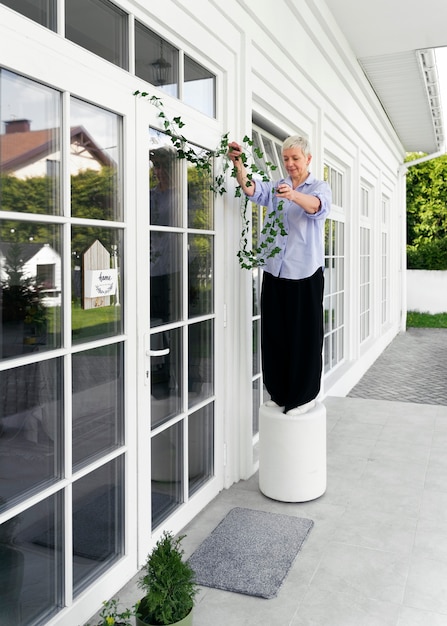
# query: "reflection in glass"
(256, 327)
(164, 181)
(256, 286)
(256, 404)
(200, 274)
(30, 158)
(199, 89)
(166, 277)
(200, 447)
(166, 376)
(156, 61)
(41, 11)
(200, 198)
(98, 522)
(30, 287)
(96, 283)
(200, 361)
(31, 565)
(166, 473)
(95, 162)
(98, 26)
(30, 428)
(97, 401)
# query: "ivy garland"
(249, 257)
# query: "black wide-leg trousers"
(292, 338)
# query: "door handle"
(162, 352)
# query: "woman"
(292, 289)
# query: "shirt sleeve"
(263, 193)
(323, 192)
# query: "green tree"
(426, 200)
(427, 213)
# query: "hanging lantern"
(161, 68)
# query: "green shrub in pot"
(169, 585)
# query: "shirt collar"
(309, 180)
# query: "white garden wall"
(427, 291)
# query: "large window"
(385, 259)
(365, 278)
(181, 235)
(61, 348)
(334, 274)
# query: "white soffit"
(393, 42)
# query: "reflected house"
(26, 153)
(40, 264)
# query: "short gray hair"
(296, 141)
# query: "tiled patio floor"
(377, 555)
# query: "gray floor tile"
(434, 506)
(431, 540)
(415, 617)
(377, 530)
(366, 573)
(327, 608)
(427, 585)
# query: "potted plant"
(111, 615)
(169, 586)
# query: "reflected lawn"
(95, 323)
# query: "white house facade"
(134, 411)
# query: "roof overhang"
(394, 43)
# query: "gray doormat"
(250, 552)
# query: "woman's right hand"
(234, 151)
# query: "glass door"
(179, 350)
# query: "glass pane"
(327, 353)
(200, 361)
(258, 150)
(166, 277)
(97, 401)
(200, 197)
(199, 89)
(256, 396)
(98, 522)
(256, 286)
(200, 274)
(95, 162)
(30, 287)
(166, 472)
(31, 565)
(166, 376)
(327, 308)
(269, 151)
(156, 61)
(30, 158)
(30, 428)
(41, 11)
(96, 283)
(164, 181)
(200, 447)
(256, 363)
(98, 26)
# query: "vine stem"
(205, 162)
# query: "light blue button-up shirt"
(302, 249)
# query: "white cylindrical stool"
(292, 454)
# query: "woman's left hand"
(284, 190)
